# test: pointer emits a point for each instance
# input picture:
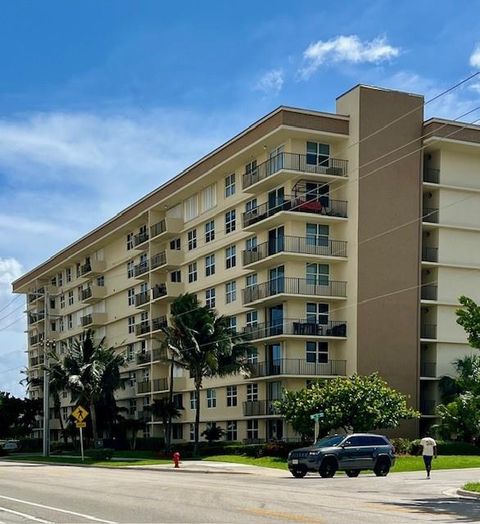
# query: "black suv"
(349, 453)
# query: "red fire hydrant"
(176, 459)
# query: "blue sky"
(100, 102)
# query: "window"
(318, 154)
(192, 239)
(129, 241)
(62, 301)
(193, 400)
(210, 297)
(233, 323)
(230, 292)
(230, 221)
(176, 276)
(230, 185)
(251, 280)
(132, 406)
(131, 296)
(68, 274)
(131, 324)
(70, 298)
(252, 318)
(252, 356)
(251, 205)
(132, 379)
(69, 322)
(231, 396)
(251, 168)
(192, 272)
(252, 392)
(53, 325)
(209, 265)
(177, 431)
(130, 270)
(230, 257)
(318, 274)
(252, 429)
(65, 413)
(79, 292)
(130, 352)
(231, 430)
(192, 431)
(251, 244)
(211, 398)
(317, 234)
(176, 244)
(190, 208)
(209, 197)
(78, 269)
(60, 280)
(316, 352)
(101, 281)
(178, 400)
(210, 231)
(317, 313)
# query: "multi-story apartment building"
(339, 242)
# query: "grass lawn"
(472, 486)
(88, 461)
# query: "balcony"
(259, 408)
(37, 361)
(141, 269)
(428, 292)
(93, 293)
(142, 299)
(431, 175)
(140, 238)
(428, 407)
(160, 354)
(143, 357)
(146, 327)
(321, 207)
(33, 318)
(160, 384)
(298, 367)
(94, 267)
(166, 260)
(428, 369)
(297, 328)
(36, 295)
(167, 290)
(94, 319)
(332, 249)
(279, 168)
(36, 339)
(428, 331)
(166, 228)
(144, 387)
(430, 214)
(429, 254)
(293, 286)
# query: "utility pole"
(46, 383)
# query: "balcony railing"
(295, 162)
(429, 292)
(36, 317)
(428, 331)
(298, 367)
(430, 214)
(93, 318)
(317, 205)
(144, 387)
(142, 298)
(159, 353)
(146, 326)
(40, 293)
(143, 357)
(140, 238)
(160, 384)
(431, 175)
(291, 244)
(256, 408)
(332, 328)
(428, 369)
(158, 228)
(141, 268)
(36, 339)
(430, 254)
(293, 286)
(159, 291)
(428, 407)
(158, 260)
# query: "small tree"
(131, 427)
(468, 316)
(164, 409)
(213, 433)
(356, 403)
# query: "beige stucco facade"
(316, 250)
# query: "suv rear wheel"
(352, 472)
(299, 473)
(382, 467)
(328, 468)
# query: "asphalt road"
(47, 494)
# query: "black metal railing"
(141, 268)
(431, 175)
(332, 328)
(158, 260)
(293, 286)
(430, 214)
(298, 367)
(304, 203)
(86, 268)
(146, 326)
(36, 294)
(160, 384)
(428, 407)
(143, 357)
(36, 317)
(86, 320)
(142, 328)
(430, 254)
(428, 369)
(428, 331)
(158, 228)
(255, 408)
(429, 292)
(159, 290)
(142, 298)
(140, 238)
(295, 162)
(159, 323)
(159, 353)
(144, 387)
(291, 244)
(35, 339)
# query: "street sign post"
(316, 417)
(80, 414)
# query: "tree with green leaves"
(356, 403)
(17, 415)
(202, 342)
(91, 373)
(213, 433)
(468, 316)
(166, 410)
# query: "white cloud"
(475, 57)
(10, 269)
(348, 49)
(271, 82)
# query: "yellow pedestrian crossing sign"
(80, 414)
(81, 425)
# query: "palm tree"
(164, 409)
(203, 343)
(91, 373)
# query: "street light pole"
(46, 385)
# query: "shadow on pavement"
(460, 509)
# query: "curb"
(468, 494)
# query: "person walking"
(429, 450)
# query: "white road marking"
(89, 517)
(24, 515)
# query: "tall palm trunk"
(94, 422)
(198, 385)
(168, 428)
(58, 411)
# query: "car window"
(329, 441)
(355, 441)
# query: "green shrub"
(150, 444)
(61, 447)
(403, 446)
(27, 445)
(100, 453)
(3, 453)
(448, 448)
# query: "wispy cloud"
(10, 269)
(348, 49)
(475, 57)
(271, 82)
